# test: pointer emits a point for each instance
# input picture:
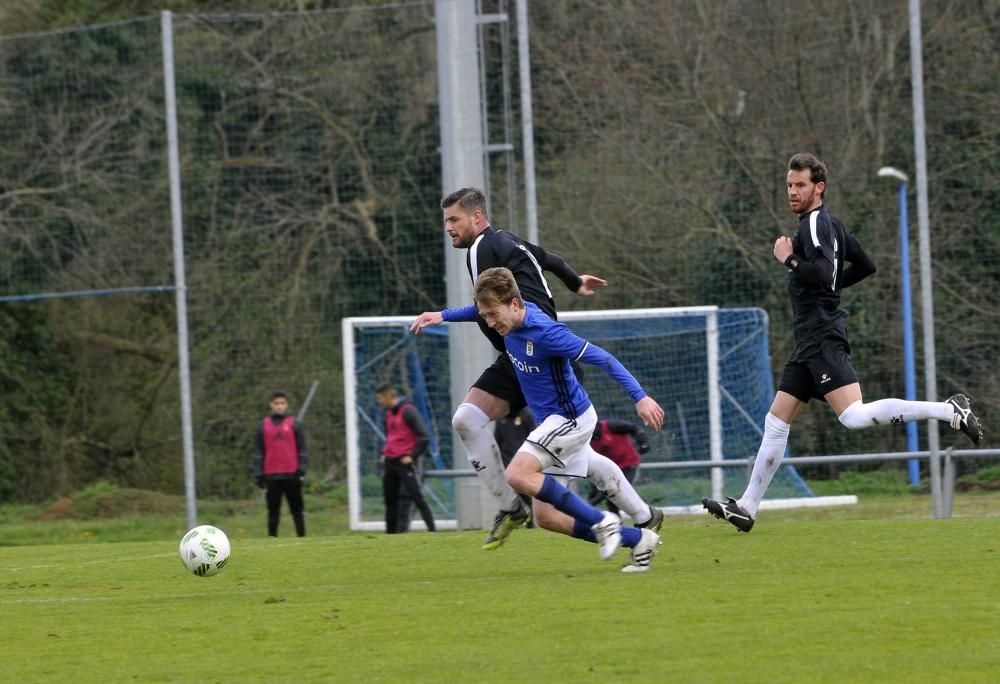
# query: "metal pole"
(351, 424)
(180, 280)
(923, 220)
(714, 400)
(309, 398)
(527, 122)
(462, 165)
(909, 364)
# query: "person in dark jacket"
(280, 459)
(406, 439)
(510, 433)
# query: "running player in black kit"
(497, 393)
(817, 259)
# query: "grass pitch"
(796, 601)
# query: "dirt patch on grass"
(114, 504)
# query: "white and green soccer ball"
(205, 550)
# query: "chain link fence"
(310, 181)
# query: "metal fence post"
(180, 279)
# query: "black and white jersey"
(495, 248)
(824, 242)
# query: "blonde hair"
(496, 285)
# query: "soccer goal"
(708, 367)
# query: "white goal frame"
(709, 313)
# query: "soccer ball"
(205, 550)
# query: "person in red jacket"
(622, 442)
(280, 459)
(406, 439)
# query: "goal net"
(708, 368)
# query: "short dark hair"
(497, 284)
(384, 387)
(278, 394)
(806, 160)
(468, 199)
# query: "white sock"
(472, 425)
(858, 416)
(610, 479)
(769, 456)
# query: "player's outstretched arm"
(650, 412)
(426, 320)
(590, 284)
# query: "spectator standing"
(406, 439)
(280, 460)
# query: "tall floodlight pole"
(462, 165)
(923, 222)
(527, 122)
(909, 365)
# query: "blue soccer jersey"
(541, 350)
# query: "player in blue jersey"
(817, 259)
(540, 351)
(496, 393)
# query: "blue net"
(669, 356)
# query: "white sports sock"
(769, 456)
(472, 425)
(858, 416)
(610, 479)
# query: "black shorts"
(500, 380)
(818, 374)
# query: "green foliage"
(878, 483)
(988, 474)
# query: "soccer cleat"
(654, 523)
(642, 554)
(964, 419)
(731, 512)
(609, 534)
(505, 523)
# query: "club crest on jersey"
(530, 349)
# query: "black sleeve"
(555, 264)
(861, 266)
(258, 451)
(413, 421)
(817, 273)
(300, 441)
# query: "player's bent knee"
(468, 418)
(516, 480)
(853, 417)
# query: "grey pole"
(180, 280)
(527, 122)
(923, 222)
(462, 165)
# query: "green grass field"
(809, 596)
